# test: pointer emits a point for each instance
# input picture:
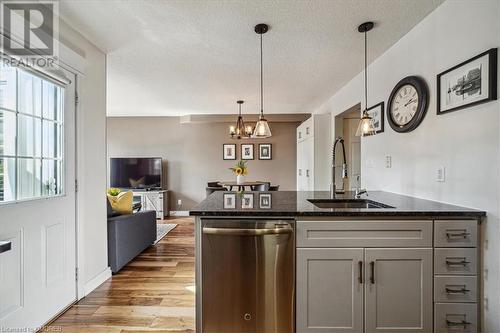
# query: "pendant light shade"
(262, 129)
(240, 131)
(365, 126)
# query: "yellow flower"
(238, 170)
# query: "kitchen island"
(300, 261)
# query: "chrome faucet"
(333, 186)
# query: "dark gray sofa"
(129, 235)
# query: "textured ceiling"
(198, 57)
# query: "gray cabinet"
(329, 292)
(384, 285)
(398, 290)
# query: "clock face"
(404, 105)
(407, 104)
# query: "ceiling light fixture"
(240, 131)
(261, 129)
(365, 127)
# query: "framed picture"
(470, 83)
(229, 200)
(265, 201)
(247, 201)
(247, 151)
(265, 151)
(229, 151)
(377, 114)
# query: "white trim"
(179, 213)
(95, 282)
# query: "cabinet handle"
(307, 130)
(300, 135)
(459, 261)
(300, 172)
(460, 289)
(463, 323)
(461, 233)
(360, 272)
(372, 272)
(307, 173)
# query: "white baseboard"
(179, 213)
(96, 281)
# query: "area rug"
(162, 230)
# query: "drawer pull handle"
(462, 233)
(457, 261)
(372, 272)
(360, 272)
(462, 323)
(456, 289)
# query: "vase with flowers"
(241, 170)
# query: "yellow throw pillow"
(122, 203)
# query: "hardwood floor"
(154, 292)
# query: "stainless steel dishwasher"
(247, 276)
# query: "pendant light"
(365, 127)
(261, 129)
(240, 131)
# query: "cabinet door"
(300, 166)
(398, 290)
(329, 293)
(309, 157)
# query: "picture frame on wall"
(247, 201)
(265, 151)
(469, 83)
(229, 151)
(377, 113)
(229, 200)
(247, 151)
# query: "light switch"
(388, 161)
(440, 174)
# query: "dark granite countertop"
(293, 203)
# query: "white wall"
(466, 142)
(91, 161)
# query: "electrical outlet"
(388, 162)
(179, 202)
(440, 174)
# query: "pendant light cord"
(366, 76)
(261, 81)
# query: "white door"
(330, 290)
(37, 187)
(398, 294)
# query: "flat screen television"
(136, 173)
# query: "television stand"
(156, 200)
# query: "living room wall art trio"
(229, 151)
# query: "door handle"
(247, 232)
(360, 272)
(372, 272)
(5, 246)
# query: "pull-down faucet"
(333, 187)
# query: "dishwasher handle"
(279, 229)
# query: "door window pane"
(50, 179)
(49, 139)
(7, 179)
(25, 130)
(49, 96)
(7, 133)
(8, 89)
(25, 178)
(25, 92)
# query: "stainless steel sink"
(347, 203)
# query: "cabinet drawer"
(455, 261)
(451, 233)
(455, 317)
(453, 289)
(364, 233)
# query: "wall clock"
(407, 104)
